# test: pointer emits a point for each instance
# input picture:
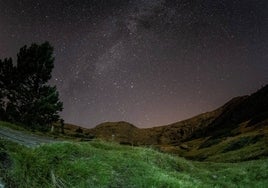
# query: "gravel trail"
(26, 139)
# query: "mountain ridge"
(240, 125)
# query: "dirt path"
(26, 139)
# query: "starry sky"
(148, 62)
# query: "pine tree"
(7, 85)
(29, 99)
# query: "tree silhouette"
(25, 95)
(7, 72)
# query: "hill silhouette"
(239, 127)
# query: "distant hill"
(236, 131)
(122, 132)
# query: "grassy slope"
(102, 164)
(12, 126)
(250, 143)
(237, 131)
(125, 132)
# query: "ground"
(102, 164)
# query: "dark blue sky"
(143, 61)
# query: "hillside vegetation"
(237, 131)
(102, 164)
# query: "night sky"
(148, 62)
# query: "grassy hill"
(124, 132)
(240, 128)
(102, 164)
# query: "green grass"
(102, 164)
(12, 126)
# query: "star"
(147, 62)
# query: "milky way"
(146, 62)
